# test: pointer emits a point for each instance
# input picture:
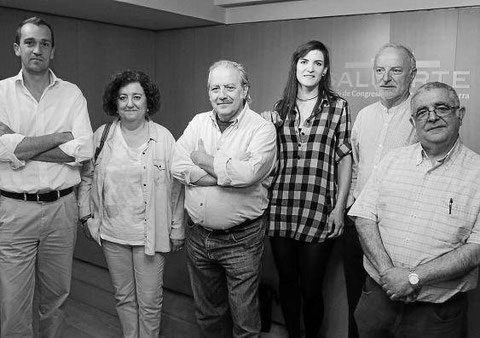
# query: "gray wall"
(88, 53)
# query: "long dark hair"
(287, 103)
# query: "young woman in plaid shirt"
(310, 190)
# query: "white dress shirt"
(376, 131)
(244, 158)
(61, 108)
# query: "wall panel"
(444, 41)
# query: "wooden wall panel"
(444, 42)
(87, 54)
(467, 52)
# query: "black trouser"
(354, 272)
(301, 269)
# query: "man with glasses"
(378, 128)
(418, 220)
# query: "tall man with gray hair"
(224, 158)
(378, 128)
(418, 218)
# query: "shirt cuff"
(10, 143)
(81, 149)
(193, 175)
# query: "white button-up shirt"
(244, 158)
(61, 108)
(376, 131)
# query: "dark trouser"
(225, 275)
(380, 317)
(354, 272)
(301, 269)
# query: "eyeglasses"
(441, 110)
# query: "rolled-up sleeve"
(178, 211)
(81, 147)
(246, 169)
(366, 205)
(8, 144)
(343, 146)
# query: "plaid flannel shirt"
(305, 188)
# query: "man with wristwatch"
(418, 220)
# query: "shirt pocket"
(159, 171)
(452, 219)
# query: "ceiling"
(147, 14)
(173, 14)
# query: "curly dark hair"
(119, 80)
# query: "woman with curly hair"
(310, 189)
(129, 202)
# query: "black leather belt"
(235, 228)
(50, 196)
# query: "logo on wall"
(357, 80)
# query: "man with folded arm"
(45, 133)
(224, 158)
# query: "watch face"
(413, 278)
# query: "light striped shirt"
(376, 131)
(424, 211)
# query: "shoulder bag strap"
(102, 141)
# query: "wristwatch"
(413, 279)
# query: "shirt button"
(201, 204)
(144, 185)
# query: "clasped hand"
(394, 282)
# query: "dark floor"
(90, 310)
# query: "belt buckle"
(38, 197)
(58, 194)
(25, 196)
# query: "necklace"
(304, 100)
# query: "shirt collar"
(152, 131)
(446, 160)
(236, 120)
(53, 78)
(400, 107)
